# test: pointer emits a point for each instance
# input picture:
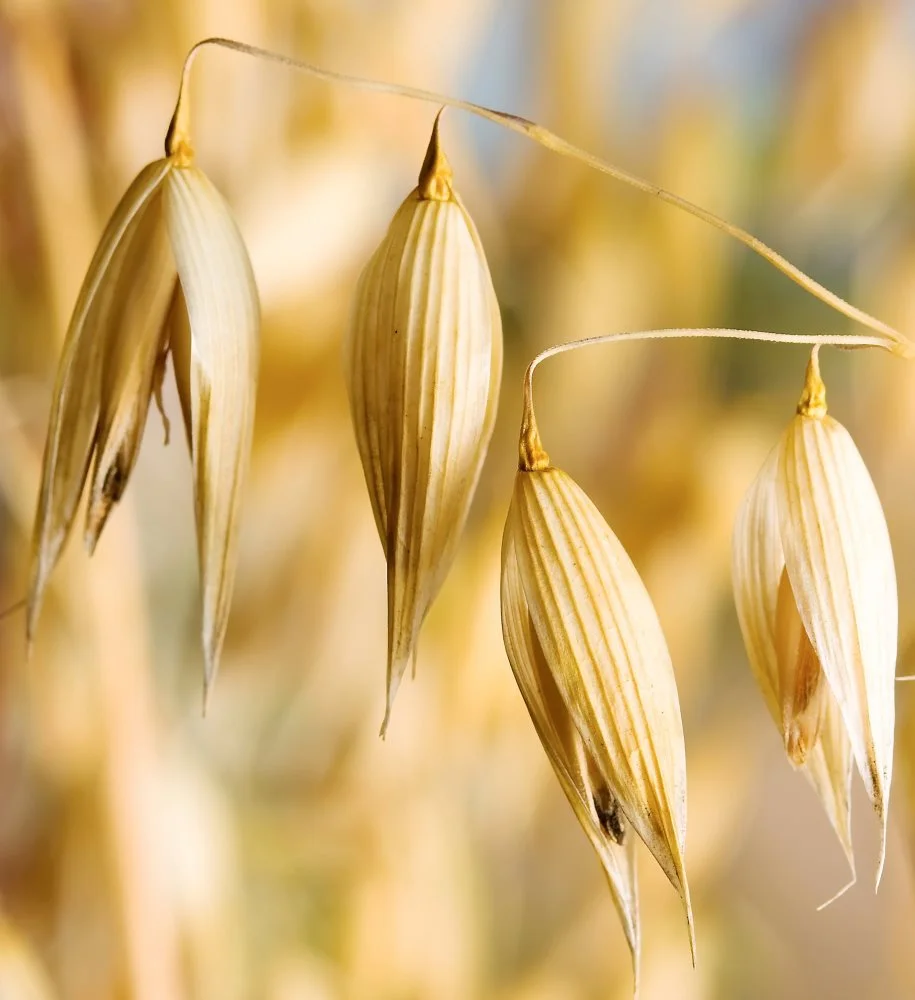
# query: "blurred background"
(278, 849)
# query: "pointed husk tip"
(690, 923)
(435, 175)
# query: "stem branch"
(178, 138)
(532, 455)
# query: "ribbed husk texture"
(423, 367)
(170, 275)
(815, 589)
(588, 653)
(594, 803)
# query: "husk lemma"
(170, 277)
(594, 803)
(590, 658)
(423, 366)
(815, 588)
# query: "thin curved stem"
(178, 139)
(532, 455)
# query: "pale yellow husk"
(840, 564)
(170, 241)
(758, 567)
(814, 515)
(76, 399)
(223, 312)
(132, 359)
(423, 365)
(591, 798)
(603, 647)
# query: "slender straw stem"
(178, 142)
(531, 452)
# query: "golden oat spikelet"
(594, 803)
(216, 336)
(595, 632)
(170, 276)
(423, 361)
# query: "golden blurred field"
(279, 850)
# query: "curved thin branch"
(531, 452)
(178, 141)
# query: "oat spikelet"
(171, 276)
(595, 633)
(594, 803)
(758, 569)
(840, 564)
(76, 401)
(829, 526)
(423, 366)
(223, 312)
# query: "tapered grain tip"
(386, 721)
(31, 623)
(388, 708)
(690, 924)
(435, 175)
(398, 661)
(209, 676)
(881, 858)
(212, 657)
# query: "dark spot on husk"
(113, 486)
(115, 482)
(610, 816)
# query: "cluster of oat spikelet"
(814, 580)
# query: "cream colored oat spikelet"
(840, 564)
(812, 533)
(603, 647)
(758, 566)
(591, 798)
(423, 360)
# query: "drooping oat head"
(423, 368)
